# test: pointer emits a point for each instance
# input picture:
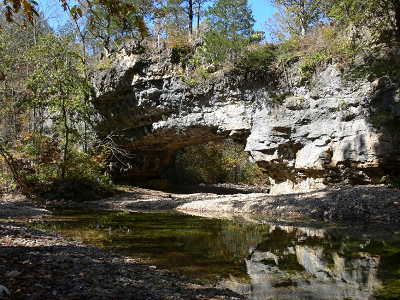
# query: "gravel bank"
(41, 265)
(17, 206)
(367, 202)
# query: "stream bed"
(254, 256)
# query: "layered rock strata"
(305, 134)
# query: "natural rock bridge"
(325, 132)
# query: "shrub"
(257, 55)
(323, 44)
(76, 190)
(310, 63)
(180, 46)
(214, 162)
(35, 165)
(391, 181)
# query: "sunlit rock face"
(328, 130)
(327, 134)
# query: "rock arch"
(320, 134)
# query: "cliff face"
(327, 130)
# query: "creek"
(254, 256)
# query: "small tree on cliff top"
(230, 26)
(299, 15)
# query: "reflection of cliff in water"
(303, 263)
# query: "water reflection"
(303, 266)
(259, 258)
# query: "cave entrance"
(214, 162)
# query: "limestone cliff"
(327, 130)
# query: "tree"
(214, 162)
(298, 16)
(13, 166)
(109, 29)
(59, 86)
(16, 43)
(18, 120)
(198, 6)
(115, 8)
(11, 7)
(378, 15)
(44, 105)
(184, 12)
(230, 26)
(176, 19)
(179, 14)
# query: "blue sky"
(262, 10)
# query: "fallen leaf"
(13, 274)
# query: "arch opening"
(214, 162)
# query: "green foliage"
(377, 18)
(342, 104)
(280, 98)
(257, 55)
(40, 166)
(215, 162)
(181, 48)
(108, 25)
(218, 47)
(376, 68)
(45, 91)
(105, 63)
(324, 44)
(98, 11)
(179, 15)
(198, 72)
(310, 63)
(231, 25)
(391, 181)
(381, 17)
(58, 86)
(316, 32)
(234, 18)
(203, 72)
(199, 75)
(298, 16)
(290, 49)
(384, 67)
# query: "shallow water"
(259, 258)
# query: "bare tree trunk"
(190, 14)
(11, 164)
(396, 6)
(198, 19)
(66, 127)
